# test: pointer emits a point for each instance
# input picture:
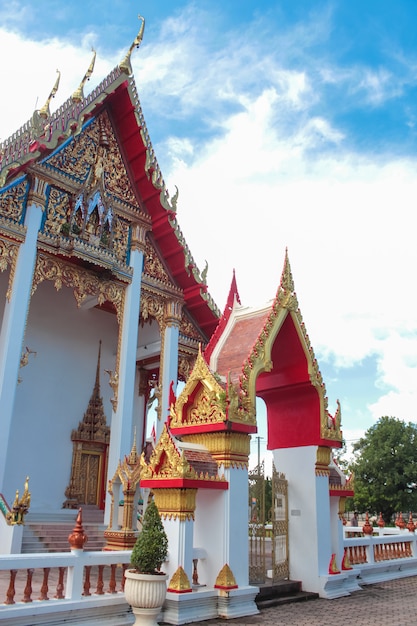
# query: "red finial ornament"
(411, 526)
(367, 528)
(77, 539)
(381, 522)
(401, 523)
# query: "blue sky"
(284, 124)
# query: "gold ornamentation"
(44, 112)
(185, 365)
(205, 401)
(206, 407)
(12, 201)
(8, 257)
(78, 95)
(154, 267)
(176, 503)
(188, 329)
(57, 211)
(323, 460)
(225, 579)
(128, 474)
(172, 313)
(125, 64)
(22, 147)
(24, 359)
(179, 582)
(167, 462)
(342, 506)
(230, 449)
(20, 507)
(83, 282)
(90, 443)
(114, 384)
(79, 160)
(37, 192)
(152, 305)
(139, 231)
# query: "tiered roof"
(27, 151)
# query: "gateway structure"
(98, 285)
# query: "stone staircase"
(282, 592)
(49, 533)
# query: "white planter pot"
(146, 594)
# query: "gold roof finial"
(78, 94)
(125, 65)
(44, 111)
(287, 281)
(133, 456)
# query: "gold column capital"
(175, 503)
(138, 240)
(37, 192)
(172, 313)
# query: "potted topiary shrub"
(145, 585)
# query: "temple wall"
(305, 532)
(55, 390)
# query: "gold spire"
(78, 94)
(287, 281)
(133, 456)
(125, 65)
(44, 111)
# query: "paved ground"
(391, 603)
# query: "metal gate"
(268, 526)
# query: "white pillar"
(180, 546)
(15, 315)
(121, 433)
(309, 534)
(236, 523)
(169, 360)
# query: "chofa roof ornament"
(125, 65)
(78, 94)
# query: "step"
(53, 537)
(282, 592)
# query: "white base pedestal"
(196, 606)
(338, 585)
(237, 602)
(209, 603)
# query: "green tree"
(151, 547)
(385, 468)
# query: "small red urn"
(77, 539)
(381, 522)
(401, 523)
(367, 528)
(411, 526)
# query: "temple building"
(103, 311)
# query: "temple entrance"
(279, 548)
(268, 526)
(90, 478)
(89, 454)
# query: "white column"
(235, 524)
(169, 359)
(121, 433)
(180, 547)
(15, 315)
(309, 532)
